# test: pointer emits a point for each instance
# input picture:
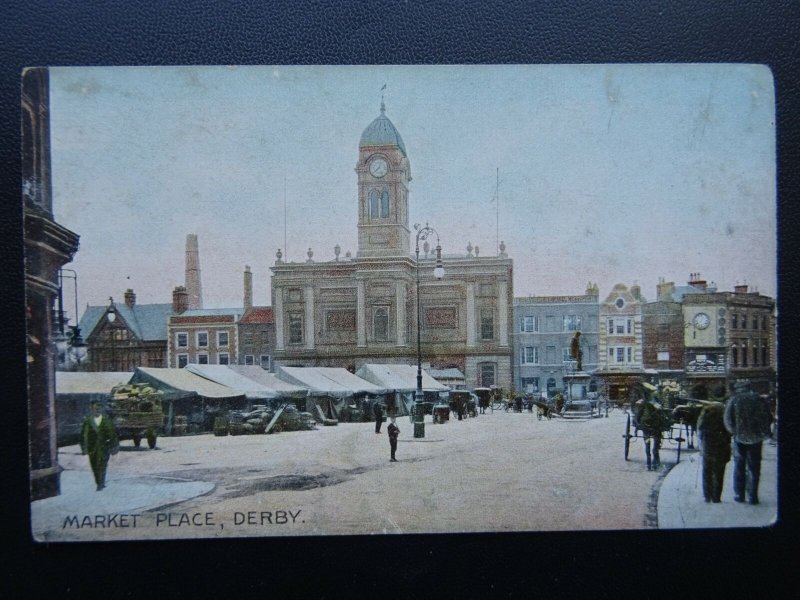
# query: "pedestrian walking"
(393, 430)
(650, 419)
(377, 410)
(99, 441)
(748, 419)
(715, 448)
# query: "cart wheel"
(137, 440)
(627, 435)
(151, 439)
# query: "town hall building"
(363, 309)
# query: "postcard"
(350, 300)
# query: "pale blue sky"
(608, 173)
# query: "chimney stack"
(193, 284)
(248, 288)
(130, 298)
(636, 291)
(665, 289)
(740, 289)
(180, 300)
(696, 282)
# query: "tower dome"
(381, 132)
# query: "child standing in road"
(393, 430)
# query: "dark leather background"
(57, 32)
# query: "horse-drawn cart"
(670, 423)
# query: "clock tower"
(383, 174)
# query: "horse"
(687, 415)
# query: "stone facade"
(544, 327)
(354, 310)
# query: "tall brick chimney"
(180, 300)
(193, 282)
(130, 298)
(636, 291)
(248, 288)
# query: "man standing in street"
(393, 430)
(748, 419)
(99, 441)
(377, 410)
(715, 447)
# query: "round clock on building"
(701, 320)
(378, 167)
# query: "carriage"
(674, 422)
(463, 403)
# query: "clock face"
(378, 167)
(701, 320)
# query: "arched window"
(385, 204)
(374, 204)
(381, 324)
(378, 204)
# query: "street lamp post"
(438, 272)
(72, 349)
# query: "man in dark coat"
(377, 410)
(715, 447)
(651, 421)
(393, 430)
(99, 441)
(748, 419)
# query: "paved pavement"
(123, 495)
(681, 504)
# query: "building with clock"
(351, 310)
(729, 336)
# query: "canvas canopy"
(399, 378)
(96, 382)
(268, 380)
(179, 383)
(329, 381)
(74, 393)
(226, 376)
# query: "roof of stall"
(270, 380)
(400, 378)
(331, 381)
(89, 382)
(182, 380)
(224, 376)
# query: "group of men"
(746, 419)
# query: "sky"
(602, 173)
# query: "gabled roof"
(259, 314)
(399, 378)
(147, 322)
